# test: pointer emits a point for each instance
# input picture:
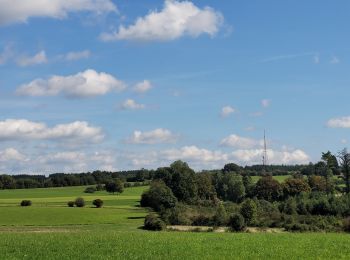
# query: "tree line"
(312, 199)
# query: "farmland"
(50, 229)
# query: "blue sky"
(113, 85)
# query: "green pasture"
(51, 230)
(278, 178)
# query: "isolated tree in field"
(344, 158)
(115, 186)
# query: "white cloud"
(38, 58)
(265, 103)
(142, 87)
(11, 154)
(176, 19)
(334, 60)
(340, 122)
(19, 11)
(156, 136)
(77, 55)
(131, 104)
(6, 54)
(240, 142)
(254, 156)
(21, 129)
(195, 154)
(227, 110)
(83, 84)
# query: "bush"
(70, 204)
(346, 224)
(237, 223)
(98, 203)
(90, 190)
(100, 187)
(152, 222)
(115, 186)
(127, 185)
(26, 203)
(220, 217)
(79, 202)
(249, 211)
(158, 196)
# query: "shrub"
(249, 211)
(179, 215)
(346, 224)
(90, 190)
(70, 204)
(79, 202)
(116, 186)
(26, 203)
(220, 217)
(237, 223)
(98, 203)
(158, 196)
(127, 185)
(100, 187)
(152, 222)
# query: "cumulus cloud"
(254, 156)
(142, 87)
(77, 55)
(38, 58)
(340, 122)
(176, 19)
(195, 154)
(83, 84)
(19, 11)
(11, 154)
(131, 104)
(265, 103)
(22, 129)
(227, 111)
(155, 136)
(240, 142)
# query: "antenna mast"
(265, 152)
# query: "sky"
(117, 84)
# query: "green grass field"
(278, 178)
(51, 230)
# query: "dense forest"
(315, 198)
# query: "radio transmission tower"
(265, 153)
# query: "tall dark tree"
(344, 158)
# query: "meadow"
(51, 230)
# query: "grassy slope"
(49, 229)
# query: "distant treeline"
(102, 177)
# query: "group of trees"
(229, 197)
